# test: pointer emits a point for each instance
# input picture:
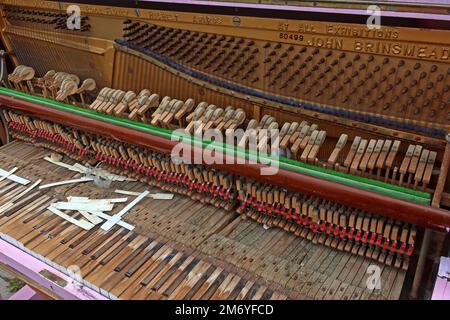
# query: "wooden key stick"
(144, 93)
(296, 134)
(390, 158)
(229, 114)
(233, 118)
(292, 129)
(358, 156)
(237, 120)
(187, 108)
(163, 106)
(100, 98)
(374, 156)
(405, 163)
(429, 169)
(414, 162)
(215, 116)
(367, 154)
(116, 99)
(169, 117)
(262, 122)
(382, 157)
(305, 140)
(151, 102)
(421, 167)
(108, 97)
(310, 143)
(169, 109)
(251, 127)
(264, 140)
(351, 154)
(337, 149)
(201, 106)
(296, 145)
(123, 105)
(317, 144)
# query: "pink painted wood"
(441, 289)
(27, 293)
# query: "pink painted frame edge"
(30, 267)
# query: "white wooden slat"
(85, 206)
(9, 173)
(80, 223)
(14, 178)
(155, 196)
(60, 183)
(116, 218)
(91, 218)
(121, 223)
(87, 200)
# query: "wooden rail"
(373, 202)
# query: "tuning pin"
(417, 66)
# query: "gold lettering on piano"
(207, 20)
(326, 42)
(110, 11)
(32, 3)
(307, 28)
(408, 50)
(362, 32)
(161, 16)
(283, 26)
